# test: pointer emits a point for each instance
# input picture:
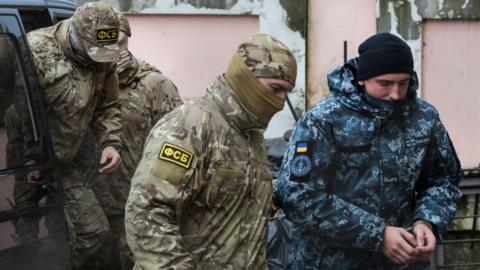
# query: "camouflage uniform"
(353, 167)
(201, 195)
(211, 212)
(145, 96)
(77, 95)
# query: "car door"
(32, 223)
(60, 9)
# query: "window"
(13, 106)
(32, 224)
(34, 19)
(59, 14)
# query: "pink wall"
(330, 23)
(190, 49)
(450, 81)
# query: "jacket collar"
(62, 37)
(344, 87)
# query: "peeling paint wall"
(406, 18)
(284, 19)
(401, 17)
(330, 23)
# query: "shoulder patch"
(301, 147)
(176, 155)
(301, 164)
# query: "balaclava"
(262, 56)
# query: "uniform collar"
(62, 36)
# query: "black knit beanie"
(381, 54)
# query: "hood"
(343, 86)
(136, 70)
(224, 97)
(62, 36)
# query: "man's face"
(277, 86)
(391, 86)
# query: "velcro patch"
(301, 164)
(107, 34)
(176, 155)
(302, 147)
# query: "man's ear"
(362, 83)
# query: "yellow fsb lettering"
(174, 154)
(169, 151)
(184, 158)
(112, 34)
(107, 34)
(102, 34)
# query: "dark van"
(33, 232)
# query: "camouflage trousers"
(27, 228)
(88, 225)
(112, 192)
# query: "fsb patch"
(176, 155)
(107, 35)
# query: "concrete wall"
(190, 49)
(284, 19)
(450, 70)
(330, 23)
(405, 17)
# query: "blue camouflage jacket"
(355, 165)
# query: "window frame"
(37, 115)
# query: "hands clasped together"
(401, 246)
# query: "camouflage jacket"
(76, 95)
(354, 167)
(146, 95)
(201, 195)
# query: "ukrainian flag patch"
(302, 147)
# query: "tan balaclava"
(262, 56)
(127, 66)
